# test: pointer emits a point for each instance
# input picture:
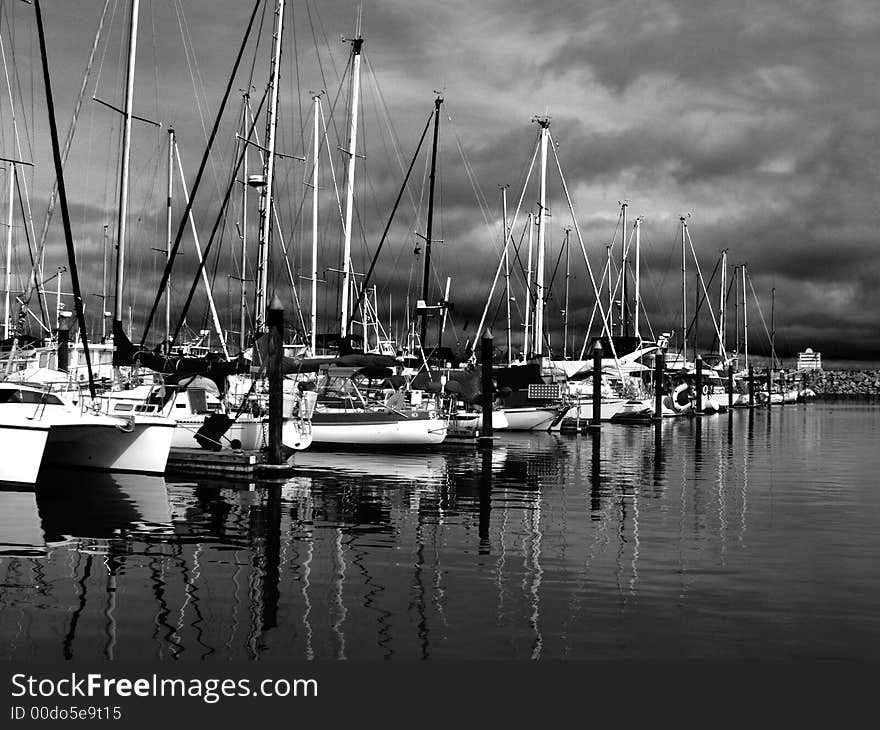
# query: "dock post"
(597, 385)
(658, 385)
(751, 386)
(698, 361)
(769, 384)
(730, 387)
(275, 323)
(487, 433)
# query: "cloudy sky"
(756, 119)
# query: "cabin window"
(124, 407)
(198, 401)
(29, 396)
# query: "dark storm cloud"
(757, 118)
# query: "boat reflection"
(91, 508)
(21, 534)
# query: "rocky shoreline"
(838, 383)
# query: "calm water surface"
(755, 537)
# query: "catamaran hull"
(21, 452)
(137, 447)
(367, 429)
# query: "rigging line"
(196, 80)
(366, 281)
(702, 281)
(34, 268)
(702, 297)
(104, 53)
(212, 238)
(577, 228)
(62, 195)
(28, 218)
(760, 312)
(167, 272)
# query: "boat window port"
(125, 407)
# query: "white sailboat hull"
(376, 429)
(584, 411)
(21, 450)
(100, 442)
(530, 418)
(248, 431)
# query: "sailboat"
(346, 412)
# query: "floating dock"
(232, 463)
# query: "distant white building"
(809, 360)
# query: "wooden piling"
(751, 386)
(698, 361)
(658, 385)
(730, 387)
(487, 433)
(275, 323)
(597, 385)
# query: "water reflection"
(546, 546)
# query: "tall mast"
(168, 240)
(610, 294)
(567, 279)
(623, 322)
(506, 267)
(736, 310)
(242, 302)
(356, 45)
(544, 122)
(722, 319)
(527, 350)
(637, 299)
(684, 346)
(317, 146)
(745, 316)
(118, 308)
(104, 288)
(426, 276)
(772, 327)
(269, 174)
(7, 315)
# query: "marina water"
(753, 536)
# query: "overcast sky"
(758, 119)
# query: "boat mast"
(124, 173)
(637, 301)
(736, 310)
(623, 323)
(426, 276)
(168, 240)
(683, 292)
(242, 302)
(772, 327)
(506, 267)
(745, 316)
(527, 350)
(314, 303)
(7, 315)
(567, 280)
(722, 320)
(544, 123)
(356, 45)
(104, 311)
(269, 174)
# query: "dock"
(231, 463)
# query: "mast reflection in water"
(724, 537)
